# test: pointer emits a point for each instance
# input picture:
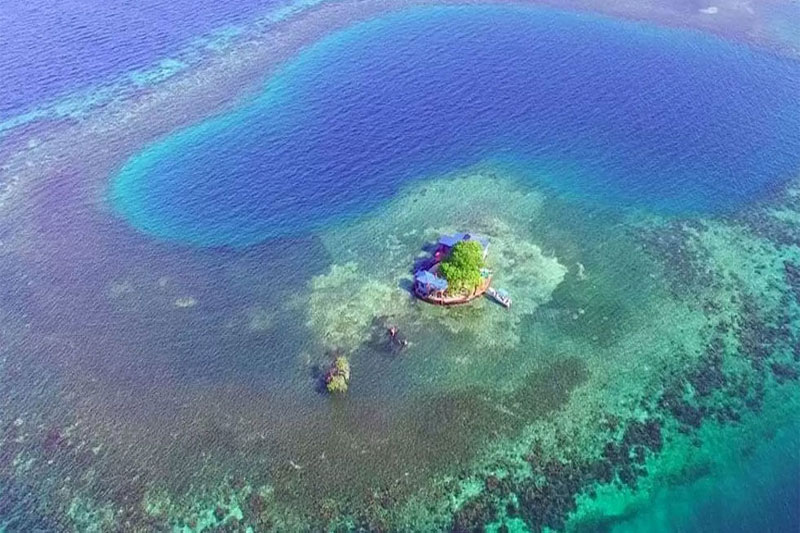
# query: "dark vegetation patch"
(712, 391)
(547, 497)
(784, 372)
(473, 515)
(685, 268)
(791, 273)
(545, 391)
(693, 396)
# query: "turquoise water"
(624, 114)
(618, 169)
(760, 492)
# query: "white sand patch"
(120, 288)
(259, 319)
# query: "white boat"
(500, 296)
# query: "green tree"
(462, 267)
(336, 384)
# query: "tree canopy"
(462, 267)
(337, 378)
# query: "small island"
(456, 273)
(337, 377)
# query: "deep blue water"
(50, 47)
(603, 110)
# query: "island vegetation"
(337, 378)
(462, 267)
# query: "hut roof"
(426, 277)
(451, 240)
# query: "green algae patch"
(337, 378)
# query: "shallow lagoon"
(173, 387)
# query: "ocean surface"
(51, 49)
(164, 323)
(684, 122)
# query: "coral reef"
(750, 346)
(601, 386)
(345, 301)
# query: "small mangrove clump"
(337, 378)
(462, 267)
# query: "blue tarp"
(427, 279)
(448, 240)
(451, 240)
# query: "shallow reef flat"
(374, 257)
(723, 387)
(645, 354)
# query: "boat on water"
(501, 296)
